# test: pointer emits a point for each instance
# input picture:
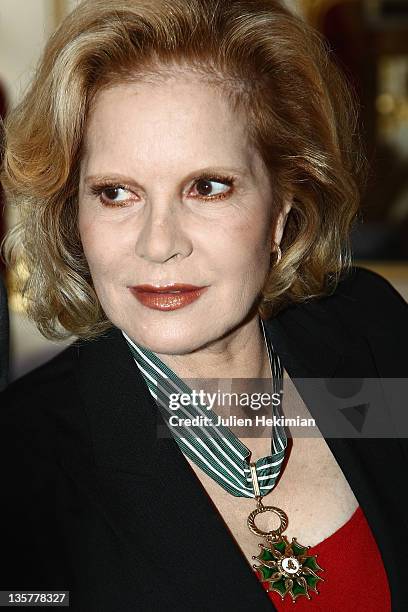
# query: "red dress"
(354, 575)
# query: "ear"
(281, 219)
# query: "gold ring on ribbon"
(273, 533)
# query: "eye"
(112, 195)
(212, 188)
(115, 194)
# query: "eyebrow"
(209, 170)
(114, 177)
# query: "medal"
(284, 567)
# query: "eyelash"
(98, 189)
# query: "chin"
(167, 340)
(173, 339)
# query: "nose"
(162, 237)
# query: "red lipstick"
(167, 297)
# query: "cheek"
(245, 250)
(100, 246)
(86, 226)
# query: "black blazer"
(95, 502)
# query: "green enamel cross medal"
(285, 567)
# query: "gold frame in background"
(57, 10)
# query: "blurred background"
(367, 38)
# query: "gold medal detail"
(284, 566)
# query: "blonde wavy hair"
(301, 116)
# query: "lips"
(170, 296)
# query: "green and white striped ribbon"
(215, 449)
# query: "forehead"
(180, 119)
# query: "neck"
(240, 354)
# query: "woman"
(186, 174)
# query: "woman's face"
(171, 194)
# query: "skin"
(154, 139)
